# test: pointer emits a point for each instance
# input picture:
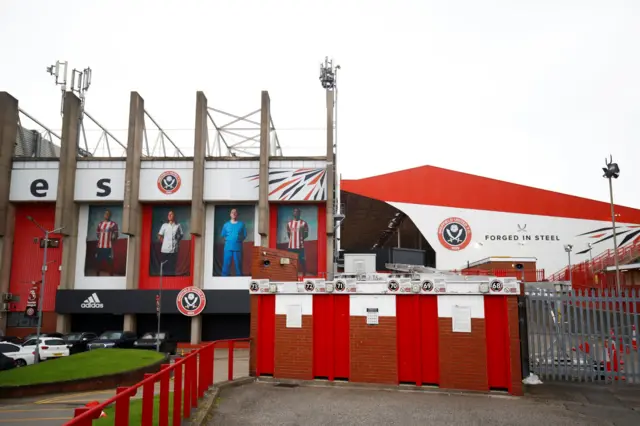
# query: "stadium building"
(131, 232)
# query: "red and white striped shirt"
(107, 231)
(297, 229)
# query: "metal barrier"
(193, 375)
(584, 335)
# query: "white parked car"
(23, 356)
(50, 347)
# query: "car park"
(77, 342)
(150, 341)
(34, 335)
(50, 347)
(21, 355)
(114, 339)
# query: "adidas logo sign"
(92, 302)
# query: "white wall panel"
(150, 183)
(358, 305)
(446, 303)
(34, 181)
(495, 234)
(303, 300)
(228, 184)
(100, 181)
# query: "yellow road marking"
(35, 419)
(37, 409)
(72, 395)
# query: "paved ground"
(266, 404)
(55, 410)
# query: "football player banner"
(170, 241)
(106, 252)
(233, 240)
(298, 233)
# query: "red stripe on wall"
(462, 190)
(146, 281)
(27, 256)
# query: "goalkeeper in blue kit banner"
(234, 233)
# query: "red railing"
(529, 275)
(601, 262)
(196, 370)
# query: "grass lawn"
(94, 363)
(135, 412)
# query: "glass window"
(20, 320)
(30, 342)
(153, 335)
(54, 342)
(111, 335)
(5, 348)
(74, 337)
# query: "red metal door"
(341, 341)
(429, 348)
(417, 337)
(408, 337)
(331, 336)
(496, 324)
(266, 334)
(322, 335)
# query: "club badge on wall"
(454, 233)
(32, 301)
(169, 182)
(191, 301)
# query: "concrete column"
(131, 208)
(330, 185)
(63, 323)
(129, 323)
(263, 182)
(66, 208)
(196, 329)
(198, 207)
(6, 252)
(8, 137)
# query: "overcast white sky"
(535, 92)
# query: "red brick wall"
(463, 356)
(514, 346)
(294, 349)
(49, 322)
(374, 356)
(275, 271)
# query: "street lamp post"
(43, 286)
(612, 171)
(568, 248)
(159, 307)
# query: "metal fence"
(583, 335)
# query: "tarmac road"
(265, 404)
(52, 410)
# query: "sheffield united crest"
(454, 233)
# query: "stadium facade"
(134, 225)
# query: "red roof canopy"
(430, 185)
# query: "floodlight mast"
(329, 80)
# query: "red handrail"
(198, 377)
